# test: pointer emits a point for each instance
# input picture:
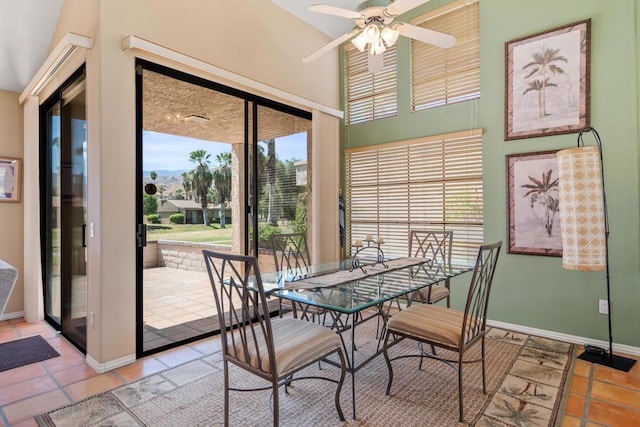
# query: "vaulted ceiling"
(27, 26)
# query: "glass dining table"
(354, 292)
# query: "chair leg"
(460, 401)
(484, 381)
(226, 393)
(276, 403)
(343, 372)
(386, 358)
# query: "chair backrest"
(475, 312)
(290, 251)
(243, 313)
(432, 244)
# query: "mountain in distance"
(165, 172)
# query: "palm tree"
(187, 184)
(202, 180)
(541, 191)
(222, 183)
(270, 167)
(542, 65)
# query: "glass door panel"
(282, 187)
(64, 209)
(191, 187)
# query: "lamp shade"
(582, 214)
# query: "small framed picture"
(10, 179)
(533, 206)
(547, 82)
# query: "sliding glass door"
(64, 209)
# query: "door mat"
(25, 351)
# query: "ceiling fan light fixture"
(389, 35)
(371, 33)
(360, 42)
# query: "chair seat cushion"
(297, 343)
(431, 323)
(437, 293)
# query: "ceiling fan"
(376, 30)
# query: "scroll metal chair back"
(434, 245)
(272, 349)
(290, 251)
(449, 328)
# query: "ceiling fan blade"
(326, 48)
(426, 35)
(336, 11)
(375, 63)
(399, 7)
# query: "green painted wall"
(535, 291)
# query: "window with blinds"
(430, 183)
(369, 96)
(445, 76)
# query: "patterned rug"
(526, 377)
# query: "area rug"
(526, 377)
(25, 351)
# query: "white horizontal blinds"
(369, 96)
(444, 76)
(428, 183)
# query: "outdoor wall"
(11, 214)
(535, 291)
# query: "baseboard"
(13, 315)
(111, 365)
(617, 348)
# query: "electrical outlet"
(603, 306)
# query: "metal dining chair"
(272, 349)
(434, 245)
(446, 327)
(291, 252)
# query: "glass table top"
(356, 291)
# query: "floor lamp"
(584, 227)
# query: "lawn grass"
(190, 233)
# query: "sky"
(171, 152)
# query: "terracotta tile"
(612, 415)
(63, 362)
(8, 335)
(592, 425)
(208, 346)
(26, 389)
(569, 421)
(178, 355)
(614, 394)
(23, 373)
(74, 374)
(29, 422)
(582, 368)
(579, 385)
(575, 405)
(92, 386)
(140, 368)
(28, 408)
(613, 376)
(62, 346)
(36, 329)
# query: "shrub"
(149, 204)
(264, 234)
(176, 218)
(153, 218)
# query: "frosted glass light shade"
(360, 42)
(582, 220)
(389, 35)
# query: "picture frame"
(532, 204)
(547, 82)
(10, 179)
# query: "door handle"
(84, 235)
(141, 235)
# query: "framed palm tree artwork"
(547, 82)
(532, 197)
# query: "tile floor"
(599, 396)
